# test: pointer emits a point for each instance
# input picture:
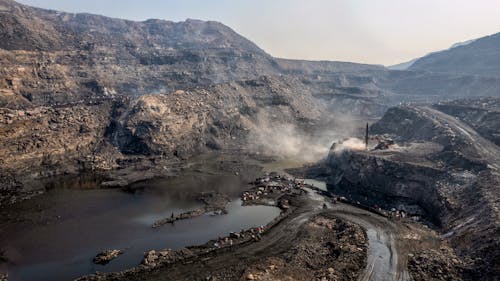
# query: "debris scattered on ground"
(269, 190)
(383, 142)
(155, 258)
(440, 264)
(327, 249)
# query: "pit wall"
(372, 180)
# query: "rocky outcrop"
(105, 257)
(216, 117)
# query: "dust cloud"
(288, 141)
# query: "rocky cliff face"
(45, 141)
(376, 179)
(217, 116)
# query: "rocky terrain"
(116, 134)
(61, 57)
(481, 114)
(46, 141)
(81, 92)
(439, 168)
(122, 92)
(124, 101)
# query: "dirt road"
(386, 259)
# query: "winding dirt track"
(386, 258)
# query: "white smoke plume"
(350, 144)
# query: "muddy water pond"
(55, 236)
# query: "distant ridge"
(474, 57)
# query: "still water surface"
(61, 231)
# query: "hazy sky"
(371, 31)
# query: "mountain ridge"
(476, 57)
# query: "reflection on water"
(66, 227)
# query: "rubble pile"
(155, 258)
(105, 257)
(251, 234)
(269, 190)
(440, 264)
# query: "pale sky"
(368, 31)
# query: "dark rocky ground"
(438, 264)
(439, 169)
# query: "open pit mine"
(160, 150)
